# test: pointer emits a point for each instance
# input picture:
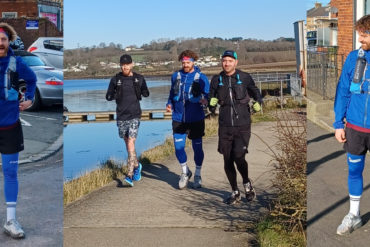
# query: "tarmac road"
(41, 129)
(40, 203)
(327, 196)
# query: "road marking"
(47, 118)
(25, 123)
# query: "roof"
(320, 11)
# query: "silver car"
(50, 50)
(49, 86)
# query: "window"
(10, 15)
(56, 45)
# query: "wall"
(46, 29)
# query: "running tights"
(229, 167)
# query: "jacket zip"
(231, 104)
(183, 95)
(367, 99)
(367, 96)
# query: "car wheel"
(36, 100)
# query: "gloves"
(256, 106)
(213, 102)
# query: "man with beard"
(232, 90)
(188, 95)
(126, 88)
(11, 137)
(352, 103)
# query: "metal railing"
(323, 71)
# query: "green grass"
(273, 234)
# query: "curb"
(53, 148)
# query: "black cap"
(125, 59)
(230, 53)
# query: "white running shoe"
(14, 229)
(349, 224)
(184, 179)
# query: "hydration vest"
(359, 74)
(11, 80)
(137, 82)
(239, 91)
(195, 90)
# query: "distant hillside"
(161, 55)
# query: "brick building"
(51, 9)
(348, 12)
(33, 18)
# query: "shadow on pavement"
(207, 203)
(320, 138)
(313, 165)
(162, 173)
(334, 206)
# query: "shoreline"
(209, 71)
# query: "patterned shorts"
(128, 128)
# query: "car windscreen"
(56, 45)
(33, 61)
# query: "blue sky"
(88, 23)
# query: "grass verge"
(285, 225)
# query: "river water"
(86, 145)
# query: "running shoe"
(235, 197)
(128, 181)
(184, 179)
(349, 224)
(197, 182)
(250, 194)
(137, 173)
(14, 229)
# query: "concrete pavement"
(327, 196)
(40, 203)
(155, 213)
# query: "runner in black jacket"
(126, 88)
(232, 90)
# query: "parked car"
(49, 86)
(50, 50)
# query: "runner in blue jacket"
(188, 94)
(352, 102)
(12, 69)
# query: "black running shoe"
(250, 194)
(235, 197)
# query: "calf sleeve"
(10, 170)
(356, 165)
(198, 151)
(180, 140)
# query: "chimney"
(317, 5)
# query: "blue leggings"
(179, 140)
(356, 165)
(10, 169)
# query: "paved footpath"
(155, 213)
(327, 197)
(40, 203)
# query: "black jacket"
(127, 91)
(234, 107)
